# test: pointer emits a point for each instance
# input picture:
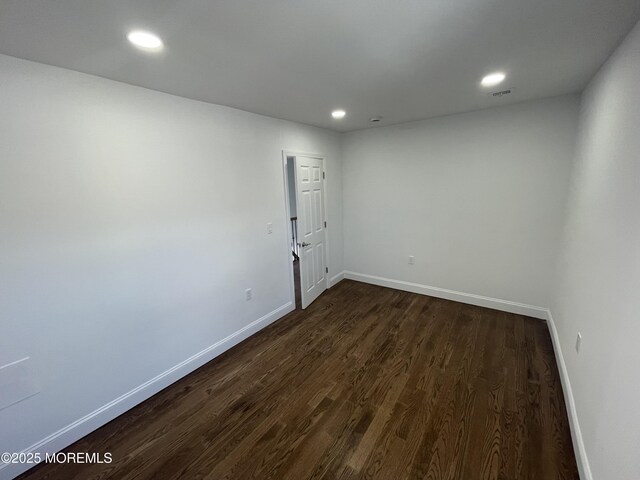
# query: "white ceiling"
(299, 59)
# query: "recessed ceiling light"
(145, 40)
(338, 114)
(493, 79)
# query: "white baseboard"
(576, 435)
(94, 420)
(511, 307)
(336, 279)
(85, 425)
(470, 298)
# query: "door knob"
(304, 244)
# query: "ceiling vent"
(501, 93)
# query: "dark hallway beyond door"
(296, 282)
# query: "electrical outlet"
(412, 260)
(578, 342)
(269, 228)
(247, 294)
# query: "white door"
(311, 227)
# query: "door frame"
(323, 157)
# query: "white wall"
(477, 198)
(131, 222)
(599, 271)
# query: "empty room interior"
(295, 239)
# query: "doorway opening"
(305, 206)
(293, 218)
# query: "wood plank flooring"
(368, 382)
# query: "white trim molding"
(576, 435)
(94, 420)
(506, 306)
(325, 205)
(470, 298)
(336, 279)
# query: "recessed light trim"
(145, 40)
(493, 79)
(338, 114)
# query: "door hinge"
(327, 269)
(323, 176)
(325, 224)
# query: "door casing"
(286, 154)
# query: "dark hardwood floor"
(296, 283)
(368, 382)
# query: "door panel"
(310, 195)
(320, 270)
(307, 231)
(317, 210)
(308, 273)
